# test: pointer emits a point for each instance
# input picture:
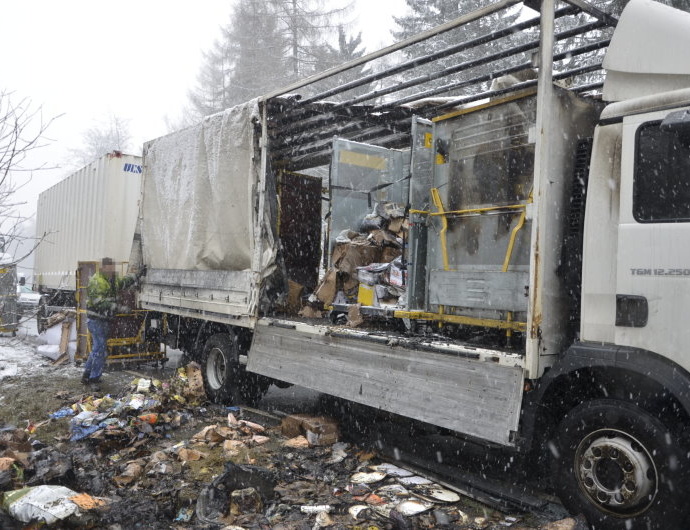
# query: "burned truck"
(488, 241)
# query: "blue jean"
(99, 335)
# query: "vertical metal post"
(259, 235)
(545, 101)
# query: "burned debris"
(156, 454)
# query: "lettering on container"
(132, 168)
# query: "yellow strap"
(436, 197)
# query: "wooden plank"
(473, 397)
(61, 360)
(64, 338)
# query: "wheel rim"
(616, 472)
(216, 368)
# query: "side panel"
(484, 289)
(563, 122)
(601, 237)
(206, 225)
(199, 195)
(222, 296)
(473, 397)
(88, 216)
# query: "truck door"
(653, 273)
(363, 175)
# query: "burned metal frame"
(301, 126)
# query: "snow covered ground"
(18, 356)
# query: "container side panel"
(78, 223)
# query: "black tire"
(226, 381)
(41, 314)
(620, 467)
(221, 369)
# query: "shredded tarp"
(198, 194)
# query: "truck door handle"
(632, 311)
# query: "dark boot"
(95, 384)
(85, 378)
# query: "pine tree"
(329, 56)
(211, 95)
(265, 45)
(306, 25)
(247, 60)
(426, 14)
(257, 48)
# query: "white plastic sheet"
(47, 504)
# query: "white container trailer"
(89, 215)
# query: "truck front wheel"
(619, 466)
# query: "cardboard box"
(348, 256)
(326, 291)
(315, 439)
(384, 238)
(294, 301)
(396, 225)
(291, 426)
(319, 430)
(397, 276)
(320, 425)
(390, 253)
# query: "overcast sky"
(136, 59)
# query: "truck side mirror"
(678, 123)
(22, 280)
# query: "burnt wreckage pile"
(157, 455)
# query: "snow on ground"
(18, 356)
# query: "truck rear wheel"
(619, 466)
(225, 379)
(220, 368)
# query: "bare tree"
(22, 131)
(102, 138)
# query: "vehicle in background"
(27, 299)
(88, 216)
